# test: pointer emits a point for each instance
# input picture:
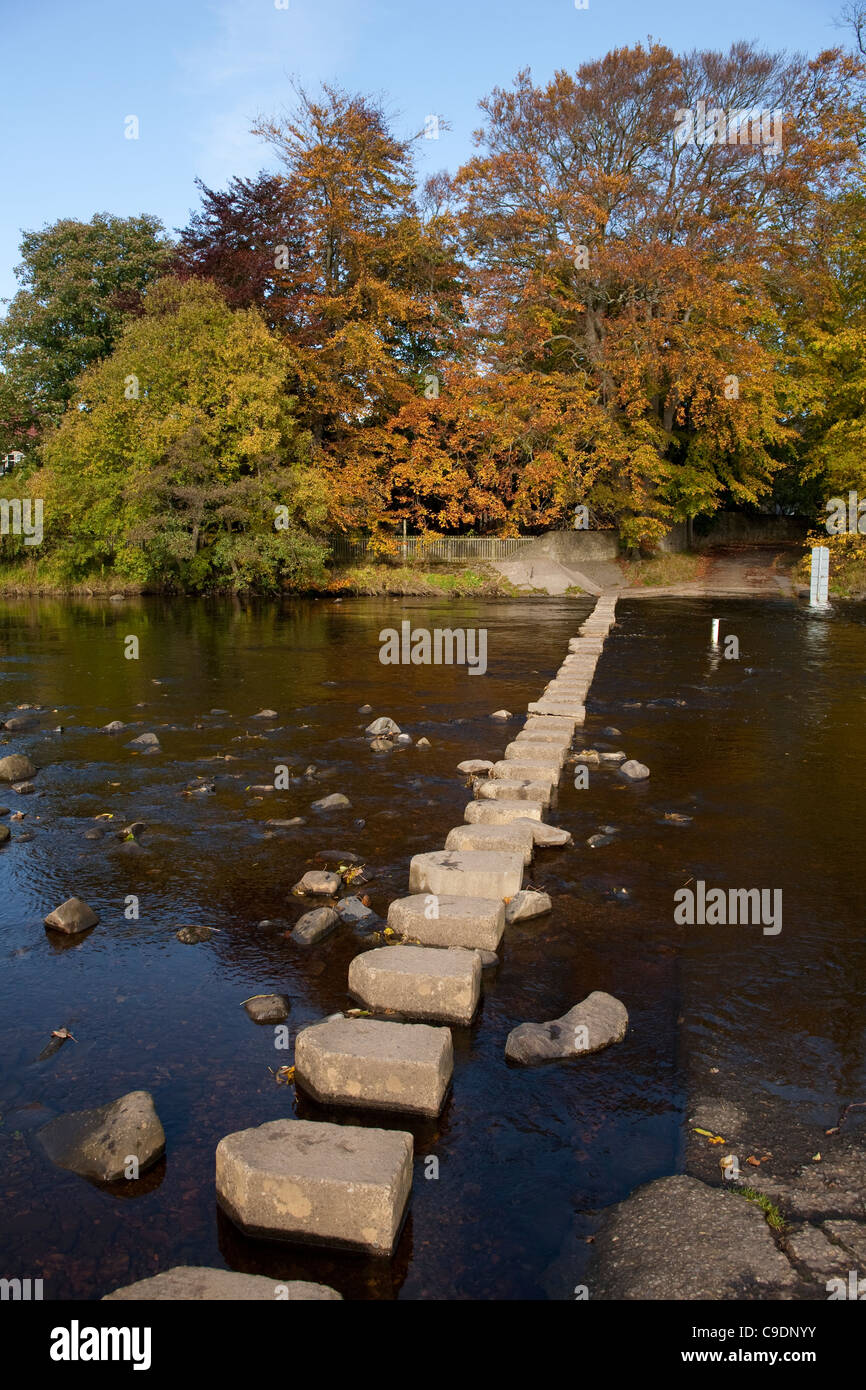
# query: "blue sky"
(197, 72)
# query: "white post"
(715, 636)
(818, 596)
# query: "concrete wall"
(734, 528)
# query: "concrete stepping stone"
(443, 986)
(511, 839)
(556, 738)
(531, 751)
(469, 873)
(506, 789)
(449, 919)
(325, 1184)
(531, 771)
(549, 836)
(501, 812)
(548, 723)
(573, 708)
(475, 765)
(370, 1062)
(195, 1283)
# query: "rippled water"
(765, 754)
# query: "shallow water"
(765, 754)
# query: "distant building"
(10, 460)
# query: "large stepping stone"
(541, 738)
(573, 708)
(319, 1183)
(193, 1282)
(366, 1061)
(508, 789)
(512, 839)
(547, 754)
(548, 722)
(502, 812)
(419, 982)
(470, 873)
(530, 771)
(449, 919)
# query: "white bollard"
(819, 590)
(715, 635)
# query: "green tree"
(178, 462)
(80, 282)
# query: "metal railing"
(433, 547)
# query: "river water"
(764, 754)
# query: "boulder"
(99, 1143)
(383, 725)
(594, 1023)
(16, 768)
(194, 1283)
(315, 926)
(71, 917)
(634, 771)
(267, 1008)
(318, 883)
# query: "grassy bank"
(663, 571)
(367, 579)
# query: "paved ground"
(744, 571)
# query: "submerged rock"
(99, 1143)
(334, 802)
(315, 926)
(381, 745)
(144, 741)
(191, 936)
(5, 834)
(265, 714)
(71, 917)
(596, 841)
(591, 1025)
(267, 1008)
(16, 768)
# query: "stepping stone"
(320, 1183)
(512, 839)
(548, 723)
(506, 789)
(533, 752)
(196, 1283)
(556, 738)
(449, 919)
(560, 706)
(530, 771)
(549, 836)
(366, 1061)
(469, 873)
(419, 982)
(501, 812)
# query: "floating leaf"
(104, 815)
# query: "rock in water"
(318, 883)
(16, 768)
(634, 771)
(71, 917)
(527, 904)
(144, 741)
(331, 803)
(190, 936)
(594, 1023)
(267, 1008)
(194, 1283)
(100, 1143)
(315, 926)
(384, 725)
(265, 714)
(501, 714)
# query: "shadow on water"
(764, 754)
